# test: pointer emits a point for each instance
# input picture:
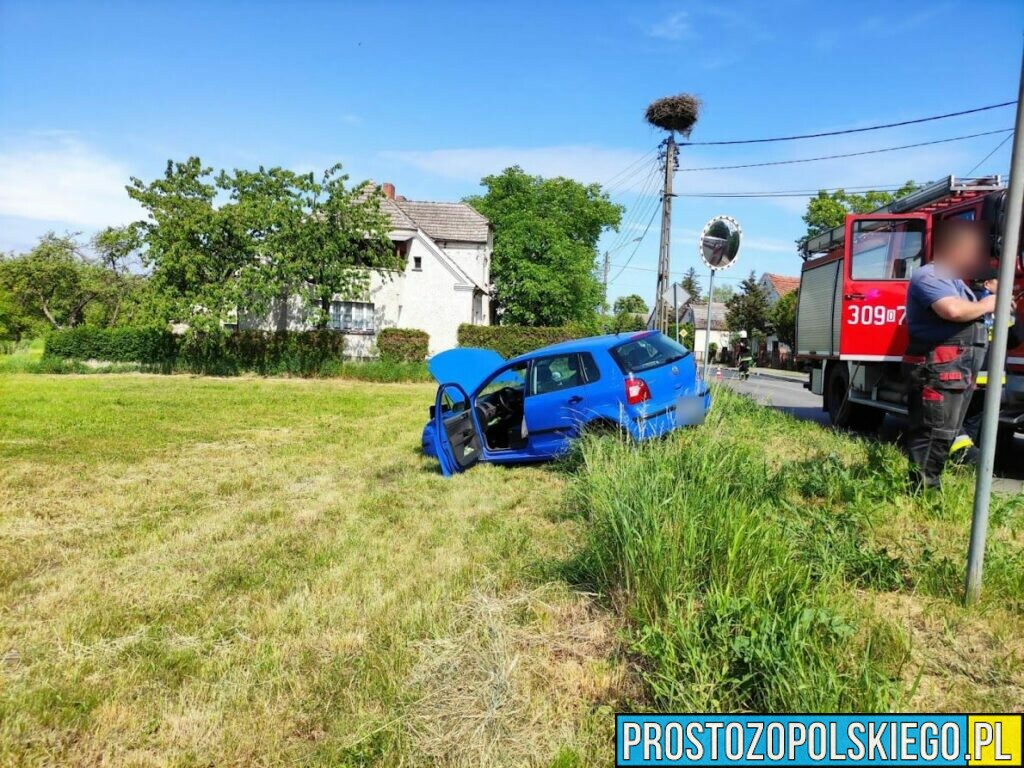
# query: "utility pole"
(607, 263)
(661, 315)
(997, 355)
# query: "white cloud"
(675, 26)
(583, 163)
(54, 176)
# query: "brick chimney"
(388, 189)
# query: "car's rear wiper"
(676, 358)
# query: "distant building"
(775, 352)
(446, 280)
(777, 286)
(698, 315)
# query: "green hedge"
(301, 353)
(402, 345)
(305, 353)
(513, 340)
(150, 346)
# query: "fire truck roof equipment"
(930, 198)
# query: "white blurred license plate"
(689, 410)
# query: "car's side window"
(590, 369)
(555, 373)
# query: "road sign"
(676, 296)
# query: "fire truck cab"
(851, 314)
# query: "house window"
(417, 263)
(352, 316)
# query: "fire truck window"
(886, 249)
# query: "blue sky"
(432, 96)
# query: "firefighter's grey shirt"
(928, 285)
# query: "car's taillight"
(637, 391)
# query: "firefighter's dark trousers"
(941, 384)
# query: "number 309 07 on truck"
(851, 314)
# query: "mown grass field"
(243, 572)
(200, 571)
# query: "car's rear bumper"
(655, 419)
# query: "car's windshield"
(514, 378)
(648, 352)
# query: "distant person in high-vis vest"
(945, 320)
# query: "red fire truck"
(851, 316)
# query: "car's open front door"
(456, 438)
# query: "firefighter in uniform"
(744, 360)
(948, 338)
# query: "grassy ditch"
(768, 565)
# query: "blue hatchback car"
(531, 407)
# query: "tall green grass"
(735, 578)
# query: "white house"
(446, 281)
(775, 287)
(698, 315)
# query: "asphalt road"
(792, 398)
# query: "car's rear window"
(646, 352)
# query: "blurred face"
(964, 254)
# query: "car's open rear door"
(456, 438)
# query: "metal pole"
(997, 356)
(664, 259)
(675, 306)
(606, 265)
(707, 332)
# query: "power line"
(739, 195)
(622, 185)
(651, 269)
(638, 212)
(847, 154)
(637, 247)
(639, 161)
(986, 157)
(848, 130)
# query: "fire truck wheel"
(841, 411)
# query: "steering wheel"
(507, 398)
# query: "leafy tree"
(199, 254)
(545, 246)
(828, 210)
(748, 310)
(278, 234)
(53, 282)
(316, 237)
(722, 293)
(117, 248)
(629, 314)
(783, 318)
(691, 283)
(13, 322)
(632, 304)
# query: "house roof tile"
(446, 221)
(698, 315)
(783, 284)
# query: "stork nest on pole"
(674, 113)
